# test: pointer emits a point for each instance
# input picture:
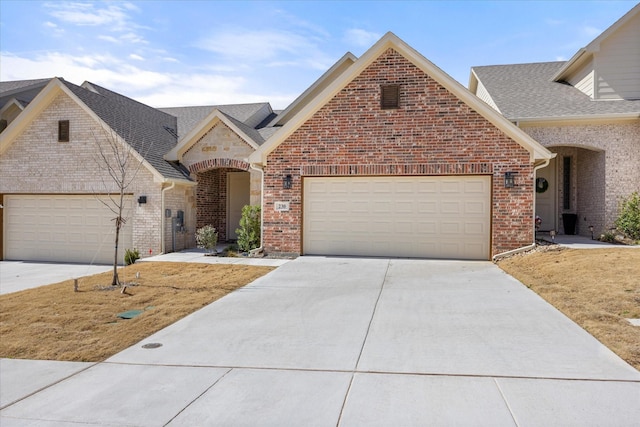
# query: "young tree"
(119, 164)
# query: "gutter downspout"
(533, 245)
(260, 249)
(162, 222)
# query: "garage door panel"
(427, 187)
(441, 217)
(451, 207)
(473, 230)
(61, 228)
(448, 227)
(475, 186)
(475, 208)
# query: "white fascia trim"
(11, 102)
(390, 40)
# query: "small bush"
(131, 256)
(608, 237)
(207, 238)
(249, 231)
(628, 221)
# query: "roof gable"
(391, 41)
(249, 135)
(526, 93)
(108, 109)
(607, 61)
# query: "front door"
(238, 184)
(546, 196)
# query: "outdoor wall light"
(552, 233)
(510, 179)
(591, 230)
(287, 182)
(142, 200)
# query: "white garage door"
(62, 229)
(426, 217)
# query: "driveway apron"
(349, 342)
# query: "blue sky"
(176, 53)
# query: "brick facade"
(432, 133)
(36, 163)
(209, 160)
(604, 158)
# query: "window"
(63, 130)
(389, 96)
(566, 183)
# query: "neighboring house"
(384, 155)
(390, 156)
(50, 182)
(587, 110)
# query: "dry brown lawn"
(597, 288)
(55, 323)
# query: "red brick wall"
(211, 200)
(432, 132)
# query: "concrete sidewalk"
(349, 342)
(581, 242)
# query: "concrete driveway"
(350, 342)
(19, 275)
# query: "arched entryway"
(224, 188)
(575, 182)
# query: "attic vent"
(389, 96)
(63, 130)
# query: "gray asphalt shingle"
(143, 127)
(526, 91)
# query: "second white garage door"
(62, 229)
(425, 217)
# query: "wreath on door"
(541, 185)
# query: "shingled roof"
(149, 131)
(190, 117)
(526, 91)
(18, 85)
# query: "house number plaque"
(281, 206)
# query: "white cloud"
(105, 70)
(360, 37)
(136, 57)
(113, 16)
(271, 48)
(80, 13)
(133, 38)
(110, 39)
(53, 30)
(147, 86)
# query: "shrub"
(628, 221)
(207, 238)
(131, 256)
(249, 231)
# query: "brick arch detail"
(217, 163)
